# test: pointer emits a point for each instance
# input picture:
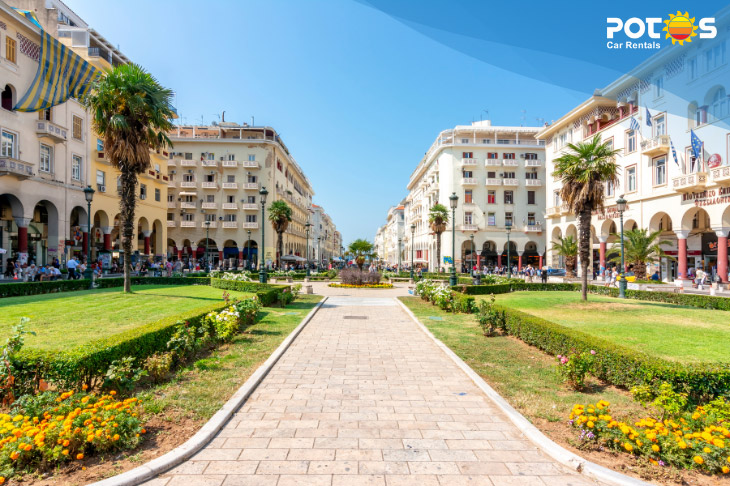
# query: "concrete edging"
(548, 446)
(201, 438)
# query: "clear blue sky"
(359, 89)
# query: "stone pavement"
(363, 397)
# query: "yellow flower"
(655, 448)
(628, 447)
(698, 460)
(725, 470)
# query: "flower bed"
(445, 298)
(363, 286)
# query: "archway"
(156, 239)
(144, 232)
(8, 97)
(250, 254)
(211, 256)
(468, 258)
(230, 254)
(555, 260)
(531, 255)
(489, 253)
(513, 257)
(77, 236)
(13, 239)
(43, 234)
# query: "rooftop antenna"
(201, 120)
(540, 120)
(252, 121)
(223, 117)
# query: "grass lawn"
(668, 331)
(64, 320)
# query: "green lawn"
(668, 331)
(63, 320)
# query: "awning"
(293, 258)
(187, 193)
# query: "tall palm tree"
(584, 170)
(438, 217)
(280, 215)
(567, 248)
(640, 248)
(360, 248)
(132, 113)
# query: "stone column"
(519, 261)
(540, 264)
(499, 260)
(107, 230)
(682, 253)
(146, 235)
(22, 234)
(722, 253)
(602, 251)
(220, 256)
(180, 254)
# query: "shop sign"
(609, 213)
(708, 198)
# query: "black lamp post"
(248, 250)
(400, 240)
(263, 277)
(319, 257)
(413, 236)
(307, 225)
(89, 195)
(621, 207)
(207, 242)
(453, 201)
(508, 227)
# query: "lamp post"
(307, 225)
(319, 257)
(207, 242)
(621, 207)
(413, 236)
(400, 240)
(262, 260)
(89, 195)
(453, 202)
(508, 227)
(248, 250)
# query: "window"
(508, 219)
(188, 217)
(46, 158)
(231, 157)
(8, 148)
(251, 200)
(719, 107)
(251, 178)
(492, 197)
(692, 68)
(694, 164)
(492, 155)
(7, 98)
(76, 167)
(502, 141)
(660, 171)
(467, 155)
(101, 180)
(509, 197)
(467, 218)
(531, 221)
(143, 191)
(467, 174)
(531, 175)
(99, 145)
(188, 199)
(77, 128)
(508, 155)
(231, 178)
(209, 177)
(230, 199)
(252, 157)
(250, 218)
(530, 197)
(491, 175)
(10, 51)
(659, 87)
(530, 156)
(610, 189)
(171, 216)
(45, 115)
(210, 198)
(229, 217)
(660, 125)
(715, 56)
(157, 195)
(209, 217)
(630, 141)
(556, 198)
(171, 198)
(631, 179)
(464, 140)
(491, 220)
(468, 197)
(508, 175)
(188, 178)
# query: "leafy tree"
(280, 215)
(640, 248)
(438, 217)
(132, 113)
(584, 170)
(567, 248)
(360, 248)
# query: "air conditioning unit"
(143, 196)
(190, 171)
(173, 172)
(102, 188)
(522, 156)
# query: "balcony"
(251, 186)
(170, 162)
(171, 185)
(209, 224)
(468, 181)
(46, 129)
(187, 224)
(690, 182)
(171, 204)
(250, 164)
(209, 205)
(230, 163)
(209, 185)
(171, 224)
(510, 182)
(655, 146)
(230, 206)
(250, 225)
(187, 163)
(494, 182)
(533, 228)
(249, 206)
(17, 168)
(493, 163)
(468, 162)
(533, 163)
(720, 175)
(230, 224)
(187, 205)
(100, 52)
(510, 163)
(210, 163)
(230, 185)
(188, 185)
(553, 211)
(469, 227)
(533, 182)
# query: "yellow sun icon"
(680, 27)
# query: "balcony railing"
(230, 224)
(209, 205)
(510, 163)
(250, 225)
(171, 204)
(494, 182)
(187, 163)
(250, 164)
(230, 163)
(468, 181)
(468, 162)
(469, 227)
(188, 184)
(187, 224)
(655, 146)
(249, 206)
(187, 205)
(510, 182)
(533, 228)
(50, 130)
(171, 224)
(720, 175)
(493, 163)
(533, 163)
(100, 52)
(690, 182)
(533, 182)
(230, 206)
(230, 185)
(208, 224)
(210, 163)
(20, 169)
(251, 185)
(209, 185)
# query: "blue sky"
(359, 89)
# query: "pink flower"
(563, 360)
(560, 356)
(593, 352)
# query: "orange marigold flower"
(79, 456)
(698, 460)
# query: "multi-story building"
(650, 115)
(216, 173)
(390, 238)
(498, 174)
(325, 239)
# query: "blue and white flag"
(696, 145)
(635, 124)
(674, 152)
(648, 116)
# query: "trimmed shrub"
(354, 276)
(35, 288)
(268, 294)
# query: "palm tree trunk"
(127, 202)
(279, 247)
(640, 270)
(584, 248)
(438, 252)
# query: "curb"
(183, 452)
(543, 442)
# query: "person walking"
(700, 280)
(71, 266)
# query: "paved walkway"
(363, 397)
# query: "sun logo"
(680, 28)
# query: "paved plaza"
(364, 397)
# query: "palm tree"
(567, 248)
(132, 113)
(640, 248)
(438, 217)
(360, 248)
(584, 171)
(280, 215)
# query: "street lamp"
(319, 257)
(89, 195)
(262, 260)
(207, 241)
(413, 236)
(307, 225)
(621, 207)
(248, 250)
(453, 202)
(508, 227)
(400, 240)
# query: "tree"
(360, 248)
(567, 248)
(132, 113)
(280, 215)
(438, 217)
(640, 248)
(584, 171)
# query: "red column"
(240, 257)
(519, 263)
(22, 239)
(479, 261)
(108, 241)
(499, 260)
(682, 258)
(85, 242)
(602, 254)
(540, 264)
(220, 255)
(179, 254)
(722, 257)
(146, 245)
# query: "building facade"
(498, 174)
(652, 115)
(390, 239)
(325, 240)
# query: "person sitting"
(655, 276)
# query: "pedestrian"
(544, 275)
(614, 277)
(71, 266)
(700, 280)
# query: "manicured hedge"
(268, 294)
(616, 364)
(35, 288)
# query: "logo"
(679, 27)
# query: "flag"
(634, 124)
(648, 116)
(674, 152)
(696, 145)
